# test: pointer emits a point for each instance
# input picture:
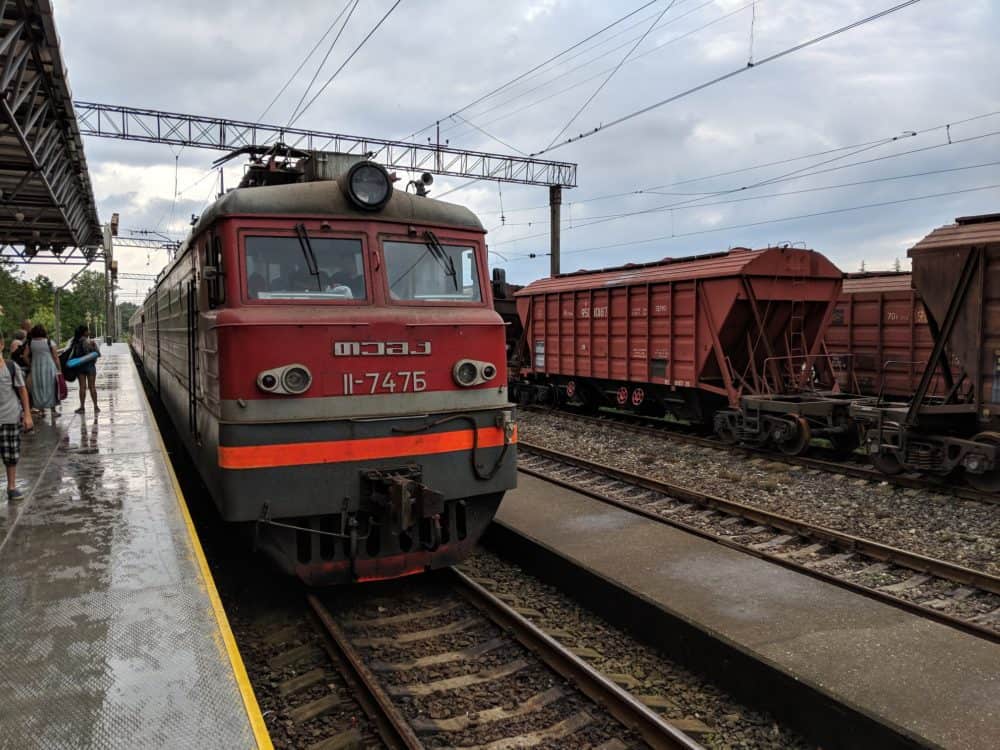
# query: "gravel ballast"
(965, 532)
(684, 698)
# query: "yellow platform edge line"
(257, 723)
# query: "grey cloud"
(932, 63)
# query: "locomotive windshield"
(278, 269)
(430, 271)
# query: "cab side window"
(214, 272)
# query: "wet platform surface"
(933, 682)
(108, 634)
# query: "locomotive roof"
(967, 230)
(878, 281)
(325, 198)
(769, 261)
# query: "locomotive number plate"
(405, 381)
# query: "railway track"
(441, 662)
(939, 590)
(643, 426)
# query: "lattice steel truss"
(153, 126)
(47, 209)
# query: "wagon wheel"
(797, 443)
(887, 463)
(988, 481)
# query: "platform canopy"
(47, 208)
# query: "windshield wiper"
(441, 256)
(303, 234)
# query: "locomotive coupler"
(407, 499)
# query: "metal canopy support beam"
(153, 126)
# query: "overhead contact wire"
(343, 65)
(732, 74)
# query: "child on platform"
(14, 413)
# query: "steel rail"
(395, 729)
(392, 725)
(876, 551)
(654, 730)
(837, 467)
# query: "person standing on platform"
(19, 353)
(14, 413)
(20, 339)
(81, 345)
(44, 361)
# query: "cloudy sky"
(916, 70)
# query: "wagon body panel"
(717, 323)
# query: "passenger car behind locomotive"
(328, 354)
(731, 340)
(956, 271)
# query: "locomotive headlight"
(296, 379)
(290, 380)
(466, 373)
(368, 185)
(471, 372)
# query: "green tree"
(86, 295)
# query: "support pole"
(58, 312)
(555, 202)
(107, 278)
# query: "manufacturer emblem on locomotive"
(380, 348)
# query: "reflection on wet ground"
(106, 631)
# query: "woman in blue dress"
(44, 363)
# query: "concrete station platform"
(111, 631)
(931, 684)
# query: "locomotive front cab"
(365, 429)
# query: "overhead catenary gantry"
(47, 208)
(222, 134)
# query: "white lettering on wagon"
(380, 348)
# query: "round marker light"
(489, 372)
(466, 373)
(296, 379)
(268, 382)
(368, 185)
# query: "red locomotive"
(328, 352)
(730, 339)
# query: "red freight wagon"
(879, 336)
(727, 338)
(956, 270)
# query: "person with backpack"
(44, 361)
(82, 345)
(15, 414)
(18, 353)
